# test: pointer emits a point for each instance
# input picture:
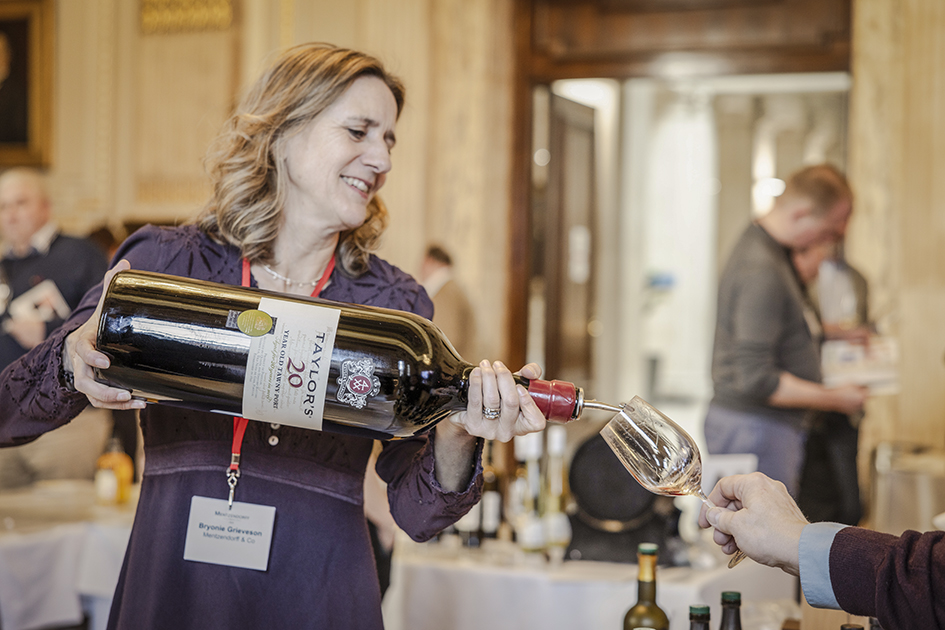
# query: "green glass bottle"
(645, 613)
(699, 617)
(731, 611)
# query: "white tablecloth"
(60, 555)
(469, 591)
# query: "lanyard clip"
(232, 478)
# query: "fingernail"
(499, 364)
(123, 396)
(522, 392)
(484, 363)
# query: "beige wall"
(897, 236)
(134, 114)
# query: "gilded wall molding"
(180, 16)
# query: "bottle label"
(287, 368)
(357, 383)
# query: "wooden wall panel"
(897, 236)
(592, 37)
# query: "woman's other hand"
(498, 408)
(80, 357)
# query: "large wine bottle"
(298, 361)
(646, 613)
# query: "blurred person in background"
(43, 276)
(295, 174)
(766, 358)
(453, 313)
(898, 579)
(829, 488)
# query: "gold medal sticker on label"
(254, 322)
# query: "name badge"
(238, 537)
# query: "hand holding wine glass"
(756, 513)
(659, 453)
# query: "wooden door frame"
(534, 65)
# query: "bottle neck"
(558, 401)
(731, 617)
(646, 580)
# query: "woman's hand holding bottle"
(79, 356)
(498, 408)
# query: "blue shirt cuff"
(813, 554)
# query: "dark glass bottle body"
(171, 340)
(851, 626)
(731, 611)
(699, 617)
(645, 613)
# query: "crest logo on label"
(357, 382)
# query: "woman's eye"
(357, 134)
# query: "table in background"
(60, 555)
(475, 591)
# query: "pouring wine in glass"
(659, 453)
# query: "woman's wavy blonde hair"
(249, 178)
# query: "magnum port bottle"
(298, 361)
(645, 613)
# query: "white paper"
(42, 302)
(875, 365)
(287, 370)
(238, 537)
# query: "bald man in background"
(43, 276)
(766, 356)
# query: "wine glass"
(658, 453)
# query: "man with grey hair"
(43, 276)
(766, 358)
(56, 270)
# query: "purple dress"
(321, 571)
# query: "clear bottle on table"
(556, 524)
(731, 611)
(699, 617)
(468, 526)
(529, 532)
(645, 613)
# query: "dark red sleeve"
(899, 580)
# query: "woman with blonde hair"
(294, 209)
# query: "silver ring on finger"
(491, 414)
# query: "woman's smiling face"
(338, 162)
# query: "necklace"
(289, 281)
(318, 284)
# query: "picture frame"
(26, 73)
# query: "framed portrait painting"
(26, 57)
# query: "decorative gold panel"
(178, 16)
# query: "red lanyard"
(239, 424)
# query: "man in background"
(452, 312)
(766, 359)
(829, 488)
(43, 276)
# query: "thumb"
(720, 519)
